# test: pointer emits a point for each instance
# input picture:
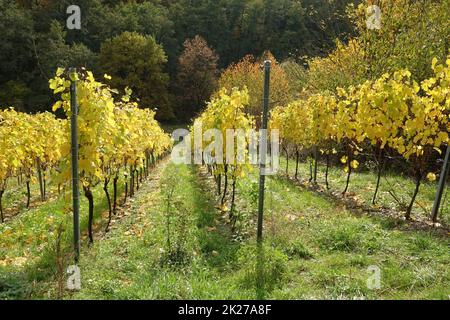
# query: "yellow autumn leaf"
(431, 177)
(354, 164)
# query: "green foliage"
(351, 236)
(16, 59)
(265, 265)
(412, 33)
(13, 286)
(16, 46)
(286, 27)
(137, 62)
(53, 52)
(297, 75)
(296, 249)
(14, 93)
(176, 220)
(339, 69)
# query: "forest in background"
(175, 54)
(36, 41)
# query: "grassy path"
(132, 261)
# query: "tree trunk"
(126, 191)
(131, 182)
(115, 194)
(310, 170)
(19, 178)
(326, 172)
(28, 194)
(219, 184)
(88, 194)
(287, 162)
(233, 195)
(144, 167)
(225, 188)
(45, 185)
(136, 174)
(233, 199)
(413, 199)
(297, 157)
(41, 181)
(108, 199)
(349, 172)
(316, 156)
(380, 170)
(1, 206)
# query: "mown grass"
(314, 249)
(131, 265)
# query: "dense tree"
(248, 74)
(137, 62)
(236, 28)
(196, 76)
(412, 33)
(16, 59)
(53, 52)
(297, 75)
(341, 68)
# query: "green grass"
(313, 250)
(336, 248)
(126, 266)
(363, 183)
(314, 247)
(27, 242)
(15, 197)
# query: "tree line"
(36, 42)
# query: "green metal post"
(263, 150)
(441, 186)
(75, 177)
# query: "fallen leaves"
(15, 262)
(223, 208)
